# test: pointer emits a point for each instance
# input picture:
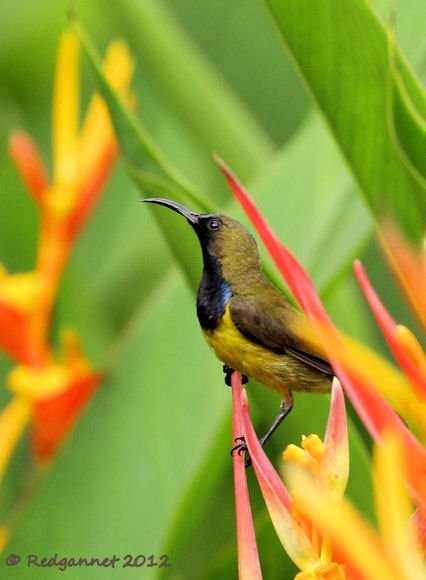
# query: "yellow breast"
(277, 371)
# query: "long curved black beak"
(187, 213)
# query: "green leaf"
(317, 213)
(407, 123)
(340, 49)
(220, 117)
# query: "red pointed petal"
(370, 405)
(29, 163)
(278, 500)
(389, 329)
(248, 556)
(259, 459)
(55, 416)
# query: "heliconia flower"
(393, 551)
(82, 160)
(400, 339)
(393, 385)
(55, 393)
(359, 384)
(327, 464)
(49, 392)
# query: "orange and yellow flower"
(327, 463)
(49, 390)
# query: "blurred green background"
(147, 469)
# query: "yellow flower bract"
(20, 291)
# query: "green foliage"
(407, 120)
(341, 51)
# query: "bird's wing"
(280, 328)
(311, 360)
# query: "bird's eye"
(214, 224)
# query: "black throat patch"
(214, 294)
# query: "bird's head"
(220, 236)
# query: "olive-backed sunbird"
(247, 322)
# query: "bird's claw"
(240, 448)
(228, 374)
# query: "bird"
(248, 323)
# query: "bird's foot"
(228, 374)
(248, 460)
(241, 448)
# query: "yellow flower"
(393, 551)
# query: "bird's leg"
(228, 374)
(285, 408)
